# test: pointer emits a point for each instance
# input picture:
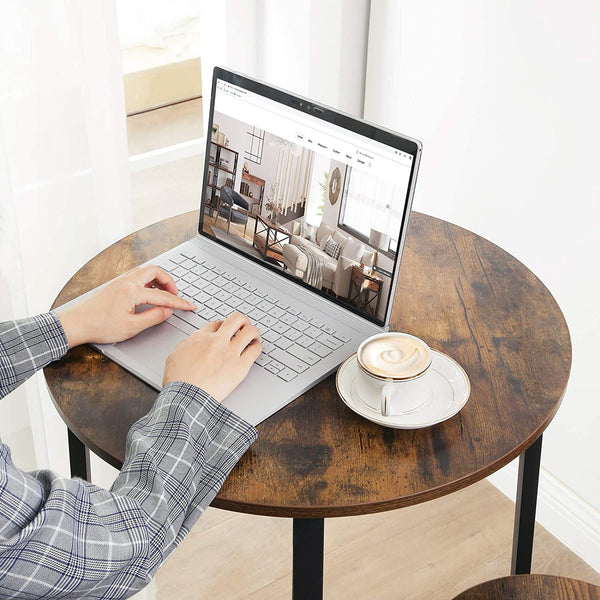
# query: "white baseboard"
(561, 511)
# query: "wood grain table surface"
(462, 294)
(532, 587)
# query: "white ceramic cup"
(401, 389)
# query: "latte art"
(395, 355)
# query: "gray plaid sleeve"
(66, 538)
(28, 345)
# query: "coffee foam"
(395, 356)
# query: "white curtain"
(64, 178)
(294, 172)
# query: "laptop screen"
(289, 186)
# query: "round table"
(532, 587)
(315, 458)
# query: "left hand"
(109, 316)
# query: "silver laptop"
(303, 218)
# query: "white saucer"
(449, 385)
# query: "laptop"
(303, 219)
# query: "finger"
(252, 352)
(233, 323)
(246, 335)
(162, 298)
(150, 317)
(150, 273)
(211, 326)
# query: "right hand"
(217, 357)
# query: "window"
(257, 139)
(370, 203)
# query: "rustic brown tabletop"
(532, 587)
(315, 458)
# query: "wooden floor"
(428, 552)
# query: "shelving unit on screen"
(222, 167)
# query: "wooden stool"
(532, 587)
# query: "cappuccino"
(395, 356)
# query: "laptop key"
(294, 311)
(178, 271)
(230, 287)
(268, 320)
(341, 337)
(283, 343)
(292, 334)
(287, 374)
(188, 264)
(330, 341)
(280, 327)
(242, 293)
(207, 313)
(274, 367)
(267, 347)
(262, 360)
(304, 317)
(288, 318)
(212, 303)
(328, 330)
(235, 302)
(228, 276)
(200, 296)
(222, 296)
(220, 281)
(245, 308)
(266, 306)
(256, 314)
(250, 287)
(303, 354)
(218, 270)
(304, 341)
(289, 361)
(300, 325)
(276, 312)
(211, 289)
(210, 275)
(312, 332)
(190, 317)
(224, 310)
(320, 349)
(189, 277)
(271, 336)
(253, 299)
(238, 281)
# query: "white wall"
(505, 98)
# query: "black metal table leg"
(307, 577)
(527, 489)
(79, 457)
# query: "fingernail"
(168, 312)
(191, 304)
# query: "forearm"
(27, 345)
(189, 442)
(72, 539)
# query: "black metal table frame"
(309, 534)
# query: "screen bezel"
(329, 115)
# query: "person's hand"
(217, 357)
(109, 315)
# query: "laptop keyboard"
(292, 341)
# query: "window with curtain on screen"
(371, 204)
